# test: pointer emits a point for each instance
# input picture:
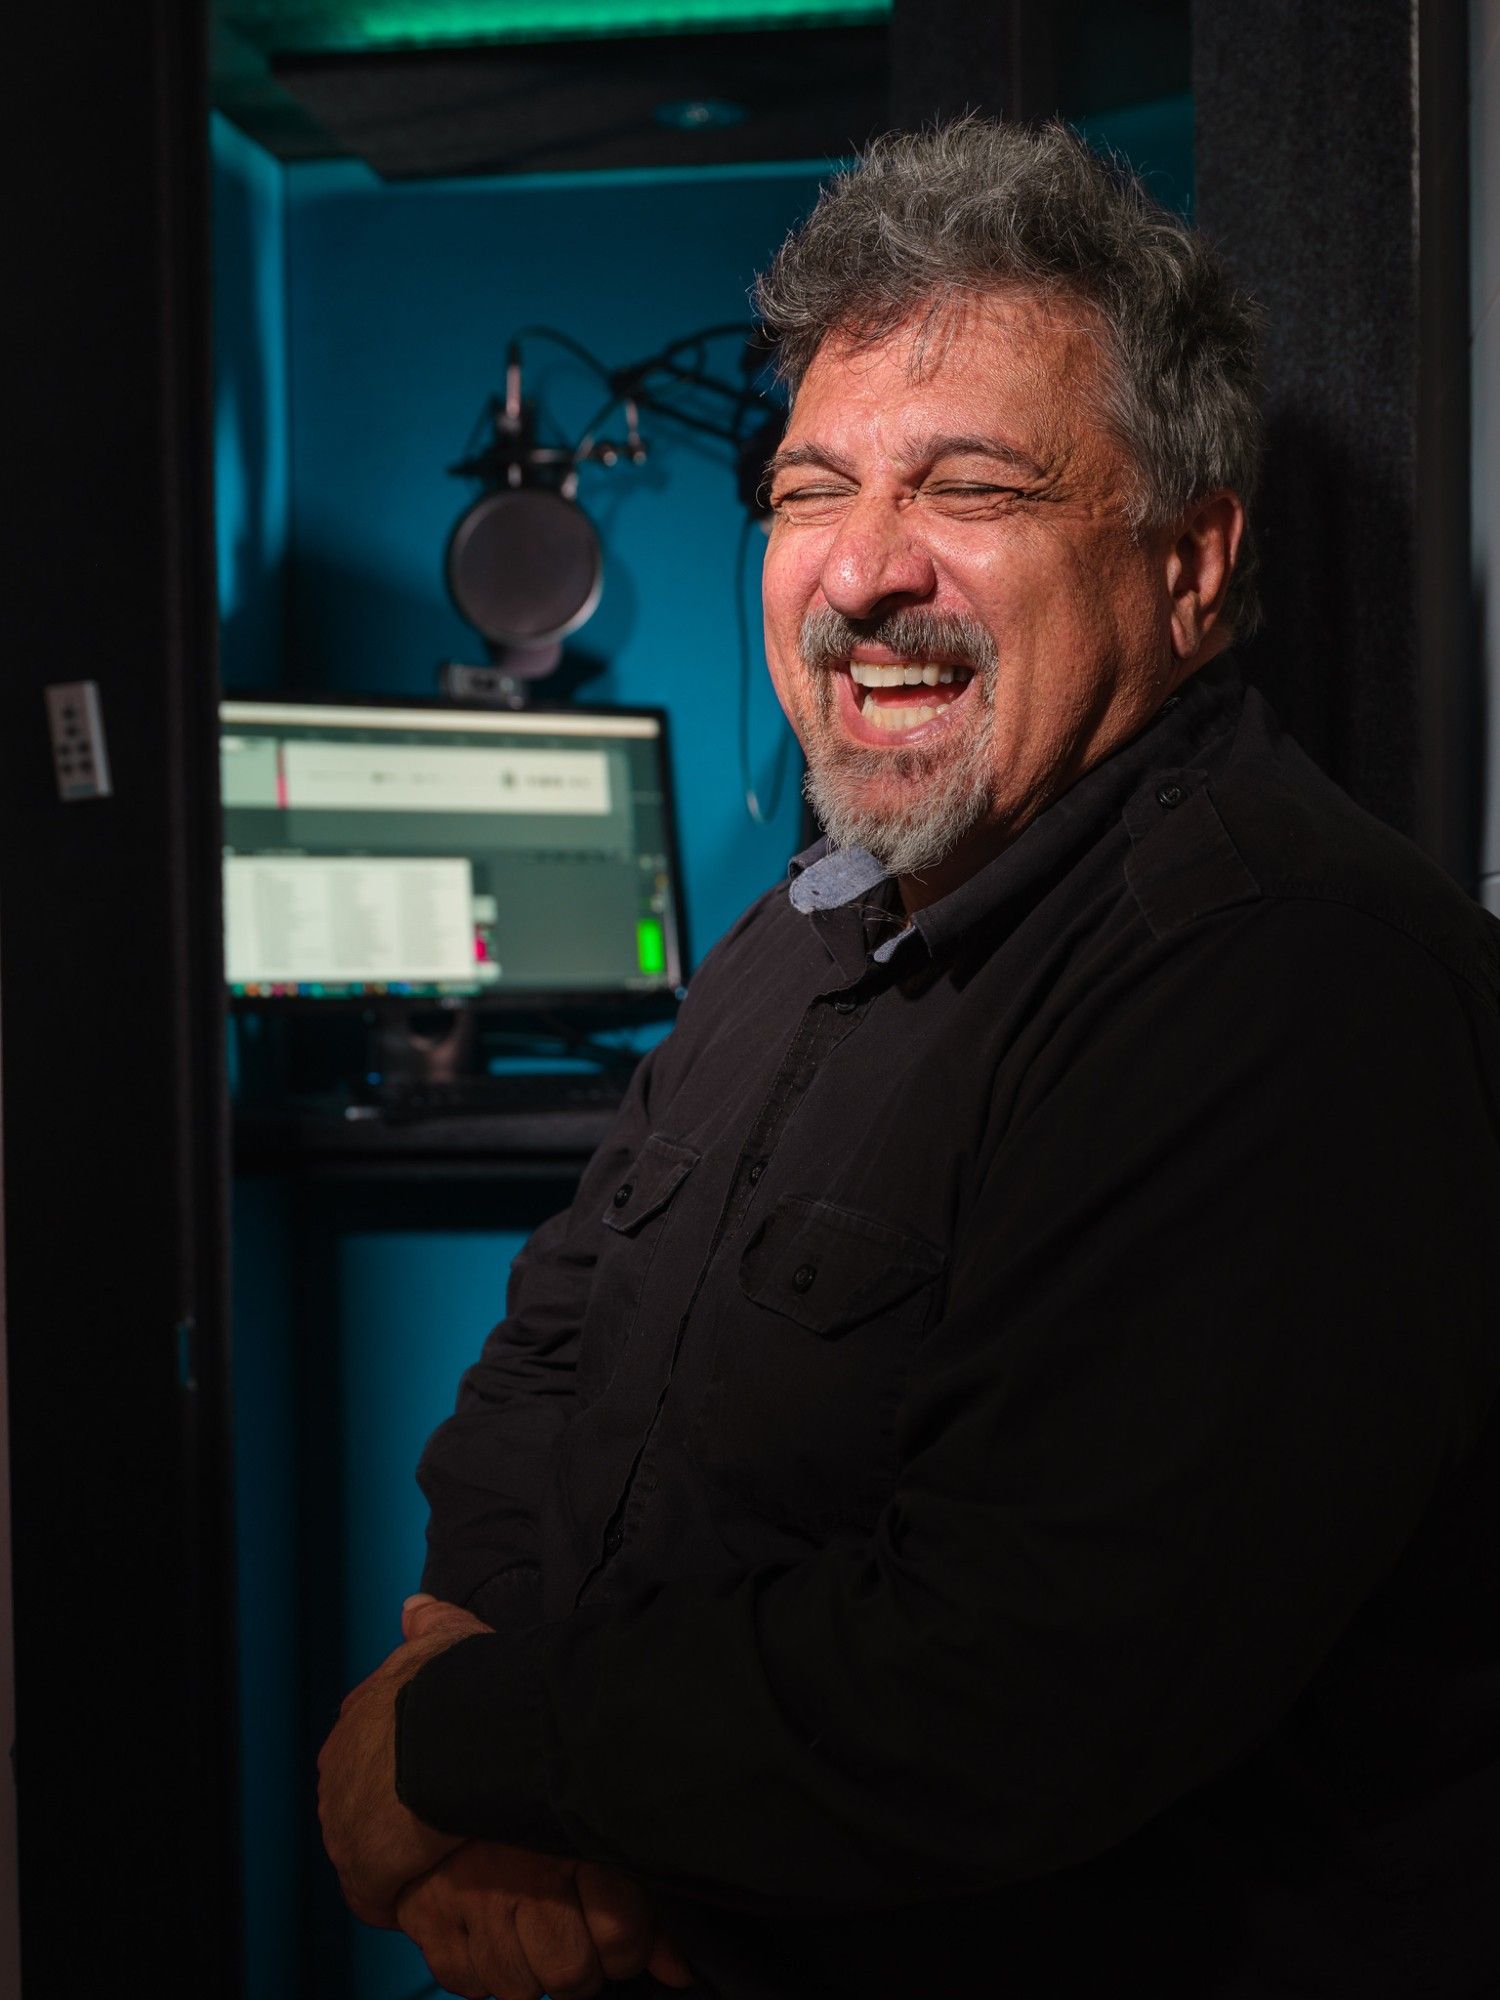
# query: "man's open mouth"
(897, 698)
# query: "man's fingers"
(557, 1945)
(422, 1616)
(500, 1963)
(666, 1964)
(618, 1913)
(411, 1613)
(398, 1661)
(442, 1939)
(453, 1969)
(422, 1619)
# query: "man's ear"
(1200, 563)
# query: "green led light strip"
(418, 24)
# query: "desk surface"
(323, 1143)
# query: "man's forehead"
(1024, 331)
(1005, 375)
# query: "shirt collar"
(824, 878)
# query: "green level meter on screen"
(650, 945)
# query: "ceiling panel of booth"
(464, 87)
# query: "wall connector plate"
(79, 756)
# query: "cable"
(658, 408)
(762, 815)
(632, 385)
(574, 347)
(694, 374)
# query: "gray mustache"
(828, 637)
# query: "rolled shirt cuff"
(471, 1742)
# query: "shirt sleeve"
(1219, 1329)
(483, 1471)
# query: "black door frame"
(115, 1137)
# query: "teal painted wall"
(359, 328)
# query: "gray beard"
(944, 788)
(920, 832)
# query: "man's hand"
(376, 1845)
(503, 1921)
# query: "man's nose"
(876, 559)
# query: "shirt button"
(623, 1194)
(756, 1170)
(803, 1276)
(612, 1540)
(1168, 796)
(844, 1005)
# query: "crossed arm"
(489, 1918)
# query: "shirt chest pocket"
(825, 1315)
(633, 1227)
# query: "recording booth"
(459, 756)
(441, 906)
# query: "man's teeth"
(910, 715)
(906, 674)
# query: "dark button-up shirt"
(992, 1486)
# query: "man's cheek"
(789, 683)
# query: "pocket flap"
(651, 1180)
(827, 1267)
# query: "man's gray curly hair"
(975, 206)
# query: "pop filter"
(524, 567)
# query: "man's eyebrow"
(964, 444)
(923, 451)
(807, 454)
